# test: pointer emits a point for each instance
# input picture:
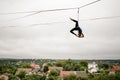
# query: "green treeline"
(10, 66)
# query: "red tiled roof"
(33, 65)
(65, 73)
(115, 68)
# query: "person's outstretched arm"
(73, 20)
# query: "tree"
(8, 69)
(49, 64)
(54, 73)
(1, 78)
(91, 76)
(22, 74)
(45, 69)
(25, 65)
(100, 77)
(117, 75)
(84, 63)
(84, 78)
(68, 67)
(111, 77)
(70, 62)
(43, 77)
(13, 77)
(70, 77)
(53, 78)
(77, 67)
(59, 64)
(103, 66)
(34, 77)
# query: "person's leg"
(72, 31)
(76, 22)
(73, 20)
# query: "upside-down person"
(77, 28)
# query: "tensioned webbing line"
(98, 18)
(37, 12)
(51, 23)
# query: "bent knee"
(71, 31)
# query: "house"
(35, 66)
(4, 76)
(114, 69)
(55, 68)
(92, 67)
(27, 70)
(77, 73)
(19, 62)
(65, 73)
(81, 73)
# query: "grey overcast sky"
(23, 38)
